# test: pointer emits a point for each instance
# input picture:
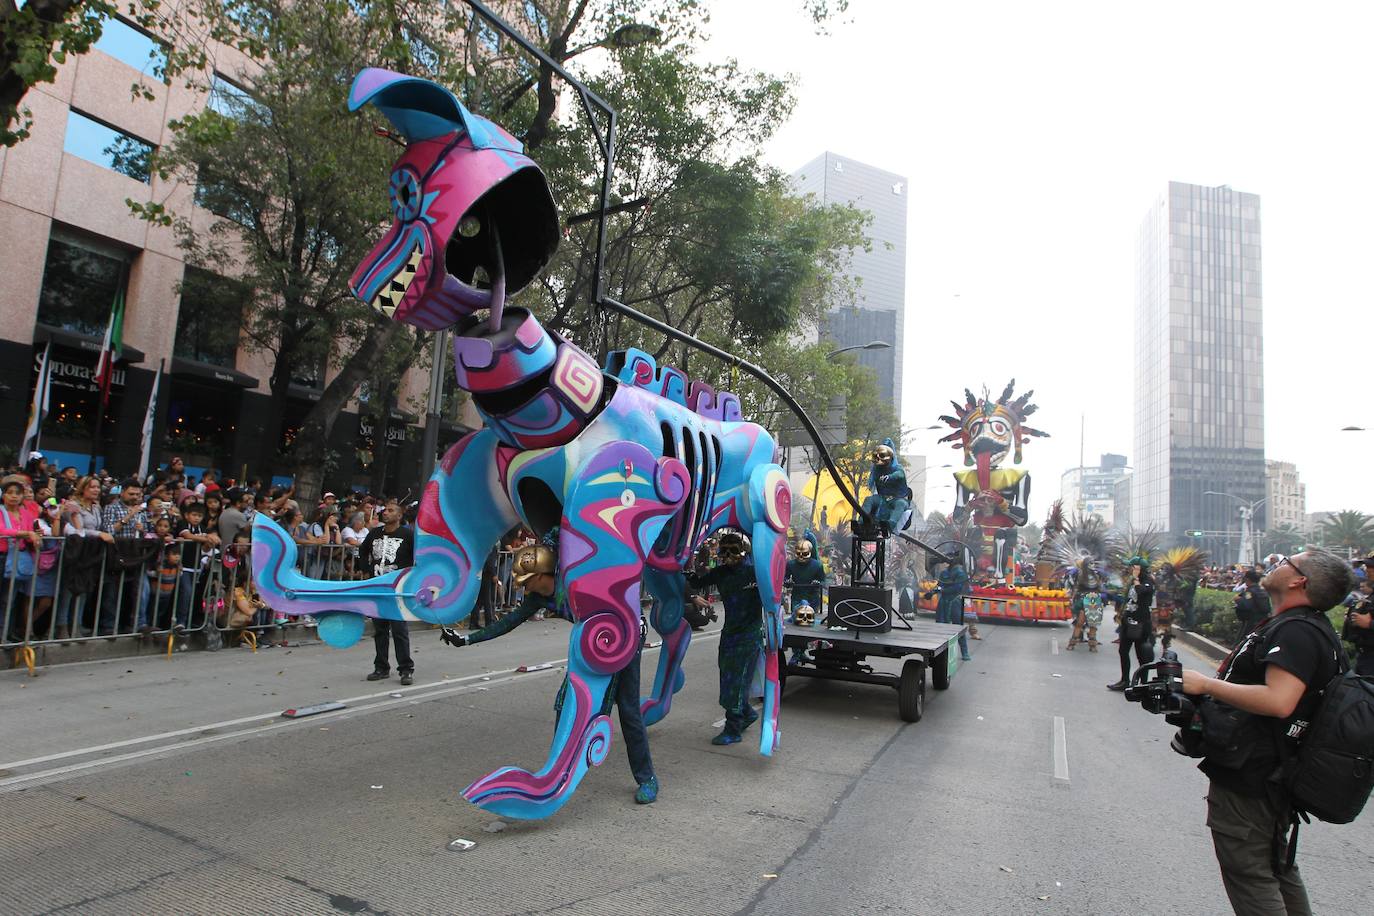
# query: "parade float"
(995, 499)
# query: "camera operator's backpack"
(1331, 775)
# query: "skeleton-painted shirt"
(388, 551)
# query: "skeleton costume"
(805, 573)
(891, 496)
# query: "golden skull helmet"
(734, 547)
(536, 560)
(803, 551)
(882, 456)
(804, 615)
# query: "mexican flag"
(112, 348)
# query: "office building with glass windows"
(879, 310)
(72, 248)
(1199, 368)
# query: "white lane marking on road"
(1060, 754)
(228, 723)
(453, 686)
(1054, 645)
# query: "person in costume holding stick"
(741, 635)
(536, 570)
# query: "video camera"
(1158, 688)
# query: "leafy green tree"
(719, 246)
(294, 182)
(1349, 529)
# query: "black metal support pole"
(591, 103)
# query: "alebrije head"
(472, 212)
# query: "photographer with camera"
(1276, 674)
(1359, 622)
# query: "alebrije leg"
(614, 511)
(770, 505)
(581, 741)
(666, 619)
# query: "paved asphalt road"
(155, 786)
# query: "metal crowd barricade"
(241, 612)
(74, 589)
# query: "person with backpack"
(1276, 674)
(1252, 604)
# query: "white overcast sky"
(1036, 135)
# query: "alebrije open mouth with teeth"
(474, 219)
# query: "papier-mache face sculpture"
(988, 430)
(463, 192)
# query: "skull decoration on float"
(634, 465)
(996, 498)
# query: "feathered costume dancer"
(741, 635)
(891, 497)
(1177, 578)
(995, 497)
(1085, 561)
(1046, 566)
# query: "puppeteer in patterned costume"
(741, 635)
(994, 497)
(890, 497)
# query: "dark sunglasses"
(1294, 565)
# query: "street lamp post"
(1247, 524)
(871, 345)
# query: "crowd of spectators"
(173, 550)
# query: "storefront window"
(200, 422)
(209, 318)
(80, 281)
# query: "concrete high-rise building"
(1092, 491)
(880, 304)
(1287, 495)
(1199, 368)
(1121, 503)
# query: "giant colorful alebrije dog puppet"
(996, 498)
(635, 466)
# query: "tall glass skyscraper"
(879, 312)
(1199, 367)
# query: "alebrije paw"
(340, 629)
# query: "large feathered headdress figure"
(1180, 569)
(1136, 545)
(982, 425)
